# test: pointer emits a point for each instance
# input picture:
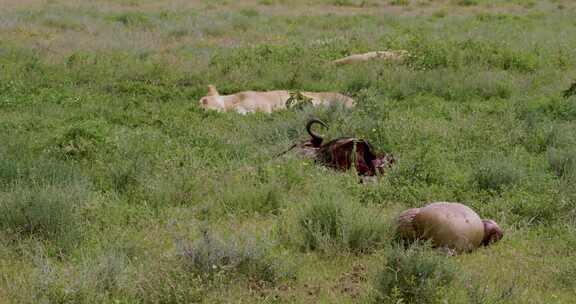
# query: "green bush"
(496, 174)
(466, 2)
(42, 198)
(211, 257)
(562, 161)
(82, 141)
(533, 208)
(132, 19)
(17, 166)
(331, 223)
(416, 275)
(47, 212)
(170, 284)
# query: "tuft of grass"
(50, 212)
(416, 275)
(496, 174)
(331, 223)
(43, 199)
(81, 141)
(562, 161)
(399, 2)
(132, 19)
(351, 3)
(466, 2)
(571, 91)
(210, 257)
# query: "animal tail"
(316, 139)
(284, 152)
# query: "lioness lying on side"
(397, 55)
(252, 101)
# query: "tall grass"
(415, 275)
(43, 198)
(105, 154)
(333, 222)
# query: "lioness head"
(212, 101)
(492, 232)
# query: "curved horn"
(316, 139)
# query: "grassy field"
(115, 187)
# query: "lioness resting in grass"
(252, 101)
(383, 55)
(451, 226)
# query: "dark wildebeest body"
(340, 153)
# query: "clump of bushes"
(334, 223)
(562, 161)
(48, 212)
(496, 174)
(212, 257)
(81, 141)
(42, 199)
(415, 275)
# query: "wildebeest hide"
(342, 152)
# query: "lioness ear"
(212, 90)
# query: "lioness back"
(262, 101)
(328, 98)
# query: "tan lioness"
(384, 55)
(269, 101)
(452, 226)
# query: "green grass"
(413, 275)
(110, 171)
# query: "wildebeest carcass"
(342, 152)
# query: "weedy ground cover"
(116, 187)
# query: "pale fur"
(267, 102)
(398, 55)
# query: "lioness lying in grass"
(252, 101)
(398, 55)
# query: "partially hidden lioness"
(451, 226)
(252, 101)
(390, 55)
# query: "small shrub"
(353, 3)
(562, 161)
(571, 91)
(45, 171)
(210, 257)
(480, 293)
(47, 212)
(334, 224)
(399, 2)
(249, 12)
(427, 54)
(534, 208)
(467, 2)
(496, 174)
(565, 277)
(540, 136)
(170, 284)
(132, 19)
(81, 141)
(42, 198)
(413, 276)
(103, 278)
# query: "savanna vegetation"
(115, 187)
